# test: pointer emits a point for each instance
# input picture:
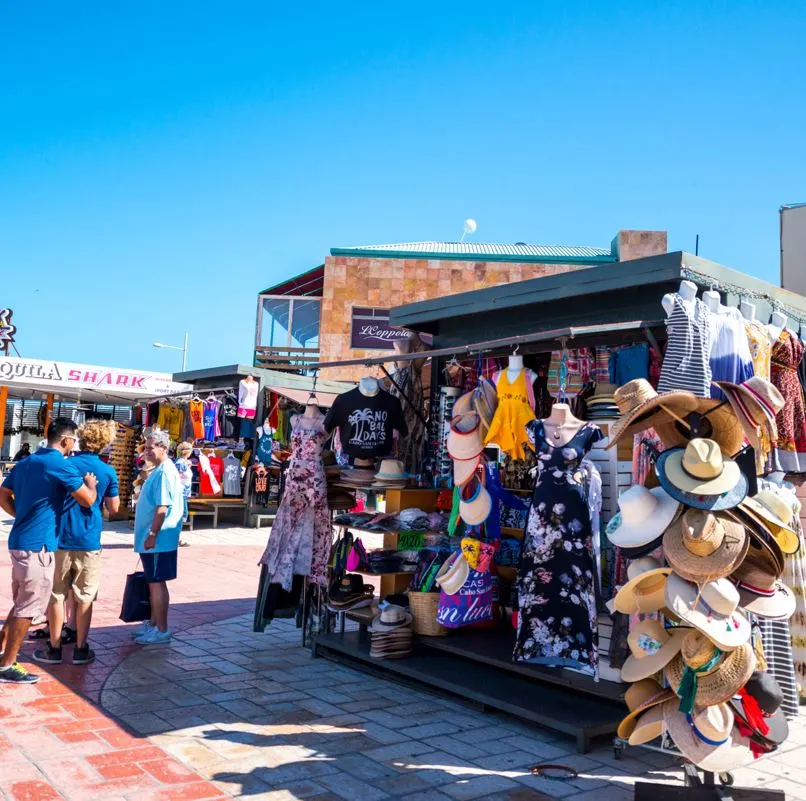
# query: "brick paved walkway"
(223, 712)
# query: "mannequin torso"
(748, 310)
(776, 326)
(712, 300)
(561, 426)
(368, 386)
(687, 292)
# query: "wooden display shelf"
(550, 706)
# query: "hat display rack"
(697, 675)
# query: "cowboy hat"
(698, 475)
(707, 737)
(391, 470)
(774, 513)
(712, 676)
(464, 470)
(756, 402)
(475, 503)
(762, 694)
(644, 514)
(640, 697)
(712, 608)
(702, 546)
(643, 591)
(642, 407)
(761, 592)
(453, 573)
(391, 617)
(652, 647)
(464, 439)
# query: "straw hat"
(774, 513)
(184, 449)
(640, 697)
(643, 592)
(464, 470)
(712, 608)
(642, 407)
(485, 403)
(761, 591)
(475, 503)
(720, 682)
(465, 440)
(652, 647)
(755, 403)
(699, 475)
(463, 405)
(759, 536)
(707, 738)
(390, 618)
(644, 515)
(702, 546)
(719, 422)
(453, 573)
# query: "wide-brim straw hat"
(723, 681)
(642, 407)
(391, 618)
(770, 533)
(761, 590)
(756, 404)
(644, 590)
(652, 647)
(643, 515)
(776, 515)
(464, 439)
(711, 608)
(723, 748)
(475, 504)
(485, 403)
(641, 697)
(702, 546)
(453, 573)
(464, 470)
(392, 470)
(463, 405)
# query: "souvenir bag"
(473, 601)
(136, 605)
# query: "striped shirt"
(686, 364)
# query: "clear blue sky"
(162, 162)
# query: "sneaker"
(142, 629)
(17, 674)
(48, 655)
(154, 637)
(83, 656)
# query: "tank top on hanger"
(686, 364)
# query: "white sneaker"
(154, 637)
(142, 629)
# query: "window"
(288, 322)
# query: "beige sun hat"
(453, 573)
(464, 470)
(644, 590)
(464, 439)
(712, 608)
(702, 546)
(708, 737)
(642, 407)
(463, 405)
(641, 697)
(652, 647)
(701, 469)
(390, 618)
(717, 683)
(777, 515)
(644, 516)
(475, 503)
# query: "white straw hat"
(645, 515)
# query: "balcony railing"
(291, 359)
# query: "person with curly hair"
(78, 558)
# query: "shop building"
(340, 309)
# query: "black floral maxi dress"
(557, 621)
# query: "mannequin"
(748, 310)
(776, 325)
(712, 300)
(561, 425)
(687, 292)
(311, 408)
(368, 386)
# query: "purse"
(136, 605)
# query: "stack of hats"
(358, 477)
(725, 558)
(390, 633)
(349, 592)
(391, 475)
(602, 404)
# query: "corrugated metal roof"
(473, 250)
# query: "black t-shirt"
(366, 424)
(228, 417)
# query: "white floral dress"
(557, 620)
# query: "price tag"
(410, 540)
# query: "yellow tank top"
(508, 429)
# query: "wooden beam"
(3, 402)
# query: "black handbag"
(136, 604)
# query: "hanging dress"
(790, 447)
(514, 413)
(300, 539)
(760, 346)
(687, 361)
(557, 621)
(731, 359)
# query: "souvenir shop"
(606, 516)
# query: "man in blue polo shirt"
(33, 494)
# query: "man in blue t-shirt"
(33, 494)
(78, 560)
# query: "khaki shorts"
(31, 582)
(79, 571)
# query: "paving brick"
(477, 786)
(348, 787)
(33, 791)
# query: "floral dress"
(300, 539)
(557, 621)
(787, 353)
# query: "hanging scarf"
(753, 723)
(688, 685)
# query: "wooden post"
(3, 402)
(48, 412)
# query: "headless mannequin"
(712, 300)
(776, 326)
(748, 310)
(369, 387)
(311, 409)
(687, 292)
(513, 371)
(561, 425)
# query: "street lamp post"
(183, 348)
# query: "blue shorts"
(159, 567)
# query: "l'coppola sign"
(371, 330)
(55, 376)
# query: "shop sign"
(410, 540)
(7, 329)
(371, 330)
(51, 376)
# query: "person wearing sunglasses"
(33, 494)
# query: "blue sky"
(160, 163)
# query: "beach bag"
(136, 605)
